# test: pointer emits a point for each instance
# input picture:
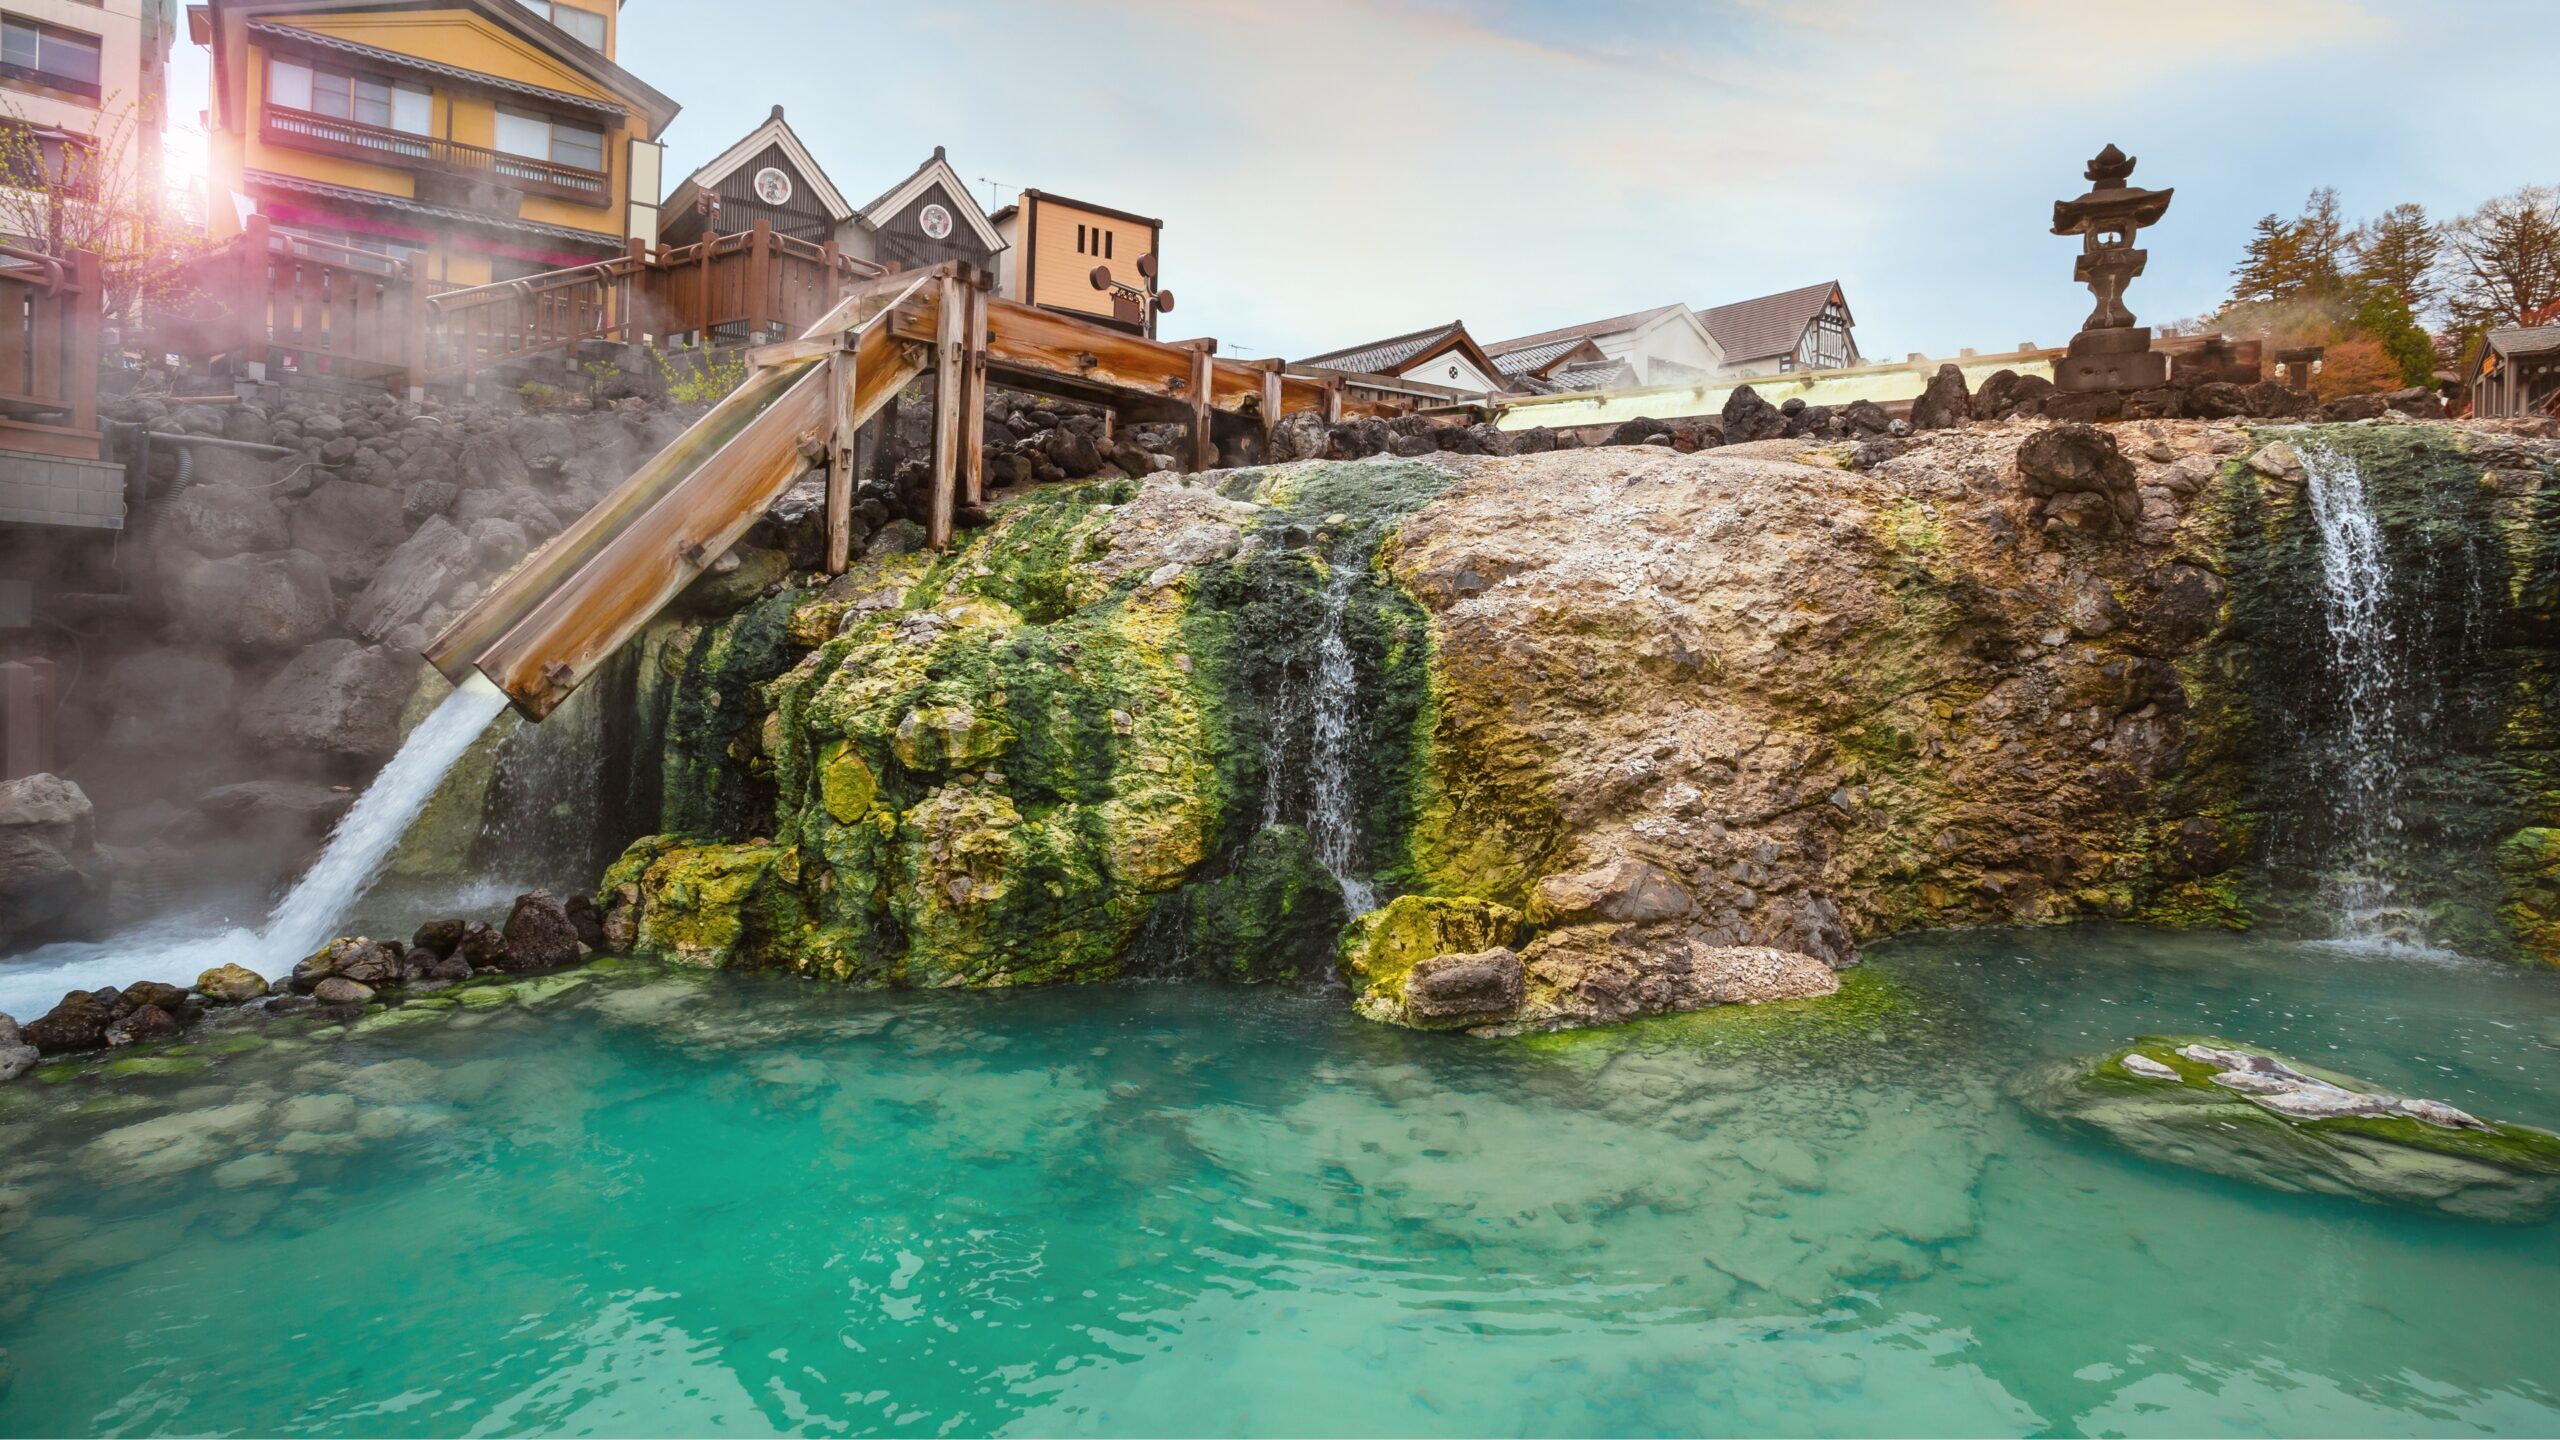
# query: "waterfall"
(307, 916)
(2365, 665)
(303, 920)
(1333, 815)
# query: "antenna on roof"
(993, 191)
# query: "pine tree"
(2270, 264)
(2398, 248)
(2320, 245)
(2384, 316)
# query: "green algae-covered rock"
(2530, 861)
(1380, 949)
(1275, 916)
(2252, 1115)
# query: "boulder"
(78, 1023)
(2008, 393)
(438, 937)
(339, 990)
(1625, 888)
(1864, 418)
(167, 700)
(143, 1022)
(2217, 400)
(427, 565)
(2275, 400)
(1457, 990)
(296, 808)
(17, 1057)
(2087, 483)
(217, 521)
(338, 698)
(1747, 417)
(2417, 402)
(1944, 404)
(1301, 436)
(1639, 431)
(49, 807)
(43, 888)
(2354, 407)
(251, 602)
(350, 526)
(231, 984)
(739, 577)
(586, 919)
(1378, 950)
(538, 934)
(1602, 973)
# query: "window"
(1080, 240)
(35, 156)
(539, 137)
(1106, 244)
(584, 26)
(49, 55)
(342, 96)
(331, 246)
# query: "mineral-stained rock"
(2008, 393)
(216, 521)
(427, 565)
(1600, 973)
(538, 933)
(1380, 949)
(1626, 889)
(587, 919)
(339, 990)
(49, 807)
(2355, 407)
(2240, 1111)
(231, 984)
(483, 946)
(348, 525)
(2066, 462)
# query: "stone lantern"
(2110, 352)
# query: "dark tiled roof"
(2539, 340)
(1614, 325)
(1381, 357)
(345, 195)
(1591, 375)
(1769, 325)
(1533, 358)
(393, 59)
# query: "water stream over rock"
(1333, 812)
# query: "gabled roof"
(506, 15)
(2539, 340)
(1391, 355)
(1589, 375)
(294, 35)
(774, 131)
(936, 170)
(1539, 359)
(1589, 330)
(1770, 325)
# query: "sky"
(1335, 171)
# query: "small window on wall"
(584, 26)
(1106, 244)
(342, 96)
(49, 55)
(539, 137)
(1080, 233)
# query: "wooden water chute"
(549, 623)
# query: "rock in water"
(231, 984)
(2252, 1115)
(539, 934)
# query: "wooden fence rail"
(51, 308)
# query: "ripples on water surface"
(692, 1204)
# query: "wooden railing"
(754, 282)
(380, 145)
(277, 299)
(50, 313)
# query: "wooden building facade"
(1054, 246)
(770, 175)
(2518, 373)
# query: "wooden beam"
(973, 395)
(792, 352)
(845, 369)
(1271, 402)
(1204, 441)
(950, 358)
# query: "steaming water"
(669, 1202)
(1333, 816)
(2365, 665)
(307, 916)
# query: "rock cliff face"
(1626, 730)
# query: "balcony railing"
(381, 145)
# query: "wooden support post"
(413, 349)
(1333, 400)
(26, 718)
(1204, 443)
(87, 312)
(759, 281)
(973, 395)
(840, 457)
(1271, 403)
(250, 295)
(950, 358)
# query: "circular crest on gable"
(935, 221)
(772, 186)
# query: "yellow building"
(480, 139)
